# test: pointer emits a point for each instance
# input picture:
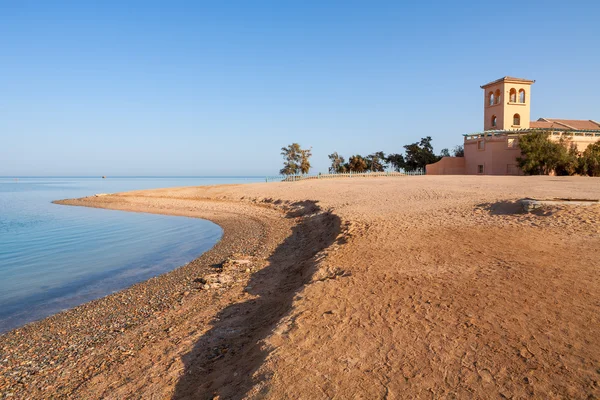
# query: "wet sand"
(353, 288)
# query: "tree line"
(542, 156)
(539, 156)
(416, 156)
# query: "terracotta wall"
(582, 142)
(447, 166)
(496, 157)
(505, 110)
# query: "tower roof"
(509, 79)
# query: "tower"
(506, 104)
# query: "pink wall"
(582, 142)
(447, 166)
(496, 157)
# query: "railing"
(294, 178)
(551, 131)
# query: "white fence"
(294, 178)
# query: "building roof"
(571, 132)
(566, 124)
(510, 79)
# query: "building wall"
(496, 109)
(496, 157)
(582, 142)
(447, 166)
(500, 152)
(506, 109)
(497, 154)
(512, 108)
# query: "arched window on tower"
(516, 120)
(497, 96)
(491, 98)
(521, 95)
(494, 121)
(513, 95)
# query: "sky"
(216, 88)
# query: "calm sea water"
(54, 257)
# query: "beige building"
(506, 116)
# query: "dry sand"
(416, 287)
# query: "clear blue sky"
(217, 88)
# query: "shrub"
(589, 162)
(568, 161)
(541, 156)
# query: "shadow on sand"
(503, 207)
(224, 361)
(517, 208)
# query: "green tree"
(337, 163)
(419, 154)
(396, 161)
(444, 153)
(305, 156)
(568, 161)
(357, 163)
(291, 159)
(541, 156)
(458, 151)
(295, 160)
(589, 163)
(376, 161)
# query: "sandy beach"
(415, 287)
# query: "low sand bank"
(424, 286)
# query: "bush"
(568, 161)
(541, 156)
(589, 162)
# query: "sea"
(55, 257)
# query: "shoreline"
(333, 288)
(250, 233)
(99, 283)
